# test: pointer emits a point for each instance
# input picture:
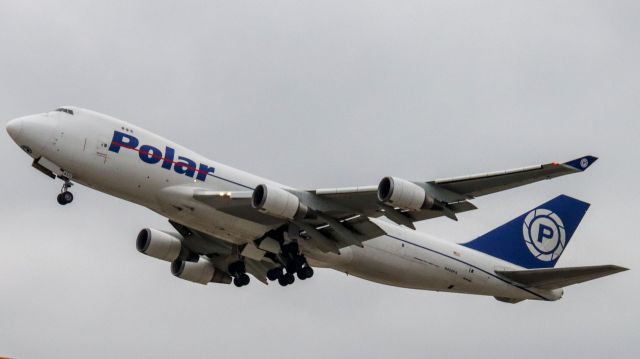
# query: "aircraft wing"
(339, 217)
(452, 194)
(486, 183)
(329, 231)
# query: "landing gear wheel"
(274, 273)
(289, 278)
(305, 272)
(244, 277)
(283, 281)
(65, 198)
(241, 280)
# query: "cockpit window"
(65, 110)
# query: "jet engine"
(404, 194)
(277, 202)
(201, 272)
(158, 244)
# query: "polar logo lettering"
(152, 155)
(544, 234)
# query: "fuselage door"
(102, 148)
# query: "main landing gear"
(239, 273)
(295, 264)
(291, 263)
(65, 197)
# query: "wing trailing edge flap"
(318, 239)
(554, 278)
(336, 234)
(201, 243)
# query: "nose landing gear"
(65, 197)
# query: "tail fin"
(537, 238)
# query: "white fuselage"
(79, 143)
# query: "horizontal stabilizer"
(553, 278)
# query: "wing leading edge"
(487, 183)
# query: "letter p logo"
(122, 140)
(544, 232)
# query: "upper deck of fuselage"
(93, 121)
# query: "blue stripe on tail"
(537, 238)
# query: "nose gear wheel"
(65, 197)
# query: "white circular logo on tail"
(584, 163)
(543, 232)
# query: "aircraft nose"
(32, 133)
(14, 127)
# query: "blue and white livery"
(229, 224)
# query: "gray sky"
(319, 94)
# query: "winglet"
(582, 163)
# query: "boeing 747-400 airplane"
(229, 223)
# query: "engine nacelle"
(404, 194)
(158, 244)
(277, 202)
(201, 272)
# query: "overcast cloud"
(321, 94)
